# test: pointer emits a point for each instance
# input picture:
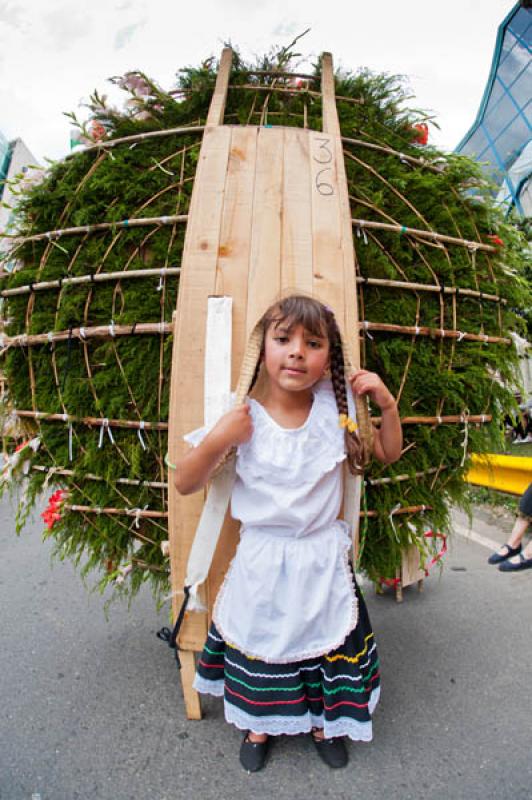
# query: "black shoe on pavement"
(332, 751)
(253, 754)
(514, 566)
(497, 558)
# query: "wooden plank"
(296, 244)
(232, 280)
(191, 697)
(327, 254)
(186, 389)
(329, 113)
(217, 106)
(264, 279)
(345, 265)
(411, 571)
(235, 239)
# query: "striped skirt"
(337, 691)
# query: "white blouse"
(288, 594)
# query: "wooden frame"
(269, 215)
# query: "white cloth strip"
(139, 434)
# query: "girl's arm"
(196, 467)
(388, 440)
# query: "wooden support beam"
(217, 107)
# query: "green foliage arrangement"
(392, 179)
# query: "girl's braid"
(354, 448)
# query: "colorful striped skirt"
(337, 691)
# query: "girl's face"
(294, 358)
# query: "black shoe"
(510, 566)
(253, 754)
(332, 751)
(497, 558)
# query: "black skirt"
(337, 691)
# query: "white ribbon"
(392, 523)
(139, 434)
(361, 231)
(465, 419)
(105, 426)
(365, 326)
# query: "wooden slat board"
(269, 215)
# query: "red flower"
(421, 132)
(52, 513)
(496, 240)
(21, 446)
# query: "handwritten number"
(324, 146)
(324, 187)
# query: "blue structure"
(5, 159)
(501, 136)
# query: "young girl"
(291, 647)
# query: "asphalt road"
(91, 708)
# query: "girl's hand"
(233, 428)
(364, 382)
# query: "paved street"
(91, 707)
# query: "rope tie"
(417, 330)
(365, 326)
(139, 434)
(442, 333)
(104, 425)
(49, 474)
(396, 507)
(50, 337)
(482, 419)
(112, 328)
(465, 419)
(484, 338)
(439, 420)
(361, 231)
(83, 333)
(461, 335)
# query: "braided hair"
(319, 320)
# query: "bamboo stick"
(98, 277)
(101, 277)
(42, 416)
(439, 237)
(98, 226)
(422, 162)
(91, 477)
(400, 478)
(280, 74)
(130, 512)
(426, 287)
(438, 333)
(395, 511)
(447, 420)
(283, 90)
(138, 137)
(97, 332)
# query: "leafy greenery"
(128, 377)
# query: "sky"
(54, 53)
